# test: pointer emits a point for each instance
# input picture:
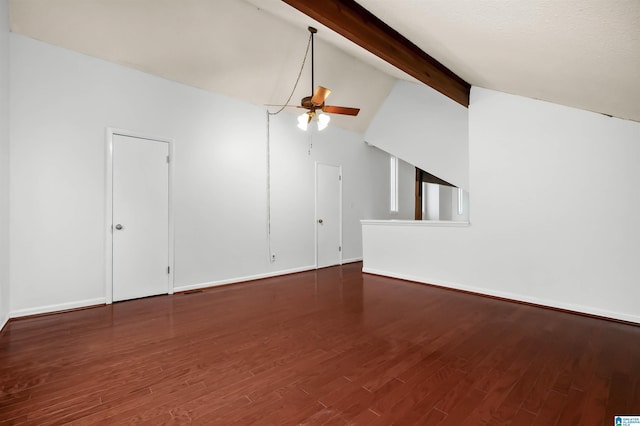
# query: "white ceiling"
(580, 53)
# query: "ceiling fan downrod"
(312, 31)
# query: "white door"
(328, 215)
(140, 217)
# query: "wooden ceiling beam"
(349, 19)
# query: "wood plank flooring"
(327, 347)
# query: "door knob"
(119, 227)
(320, 221)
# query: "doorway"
(139, 255)
(328, 215)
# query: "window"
(437, 199)
(393, 184)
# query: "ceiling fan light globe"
(323, 121)
(303, 121)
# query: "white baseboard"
(352, 260)
(102, 300)
(510, 296)
(235, 280)
(55, 308)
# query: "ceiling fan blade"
(320, 96)
(340, 110)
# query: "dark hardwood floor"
(330, 347)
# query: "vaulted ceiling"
(580, 53)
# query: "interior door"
(328, 215)
(140, 217)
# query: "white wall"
(543, 178)
(365, 187)
(4, 162)
(431, 198)
(446, 202)
(380, 189)
(61, 103)
(424, 128)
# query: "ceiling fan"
(316, 101)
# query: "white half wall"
(425, 128)
(553, 191)
(61, 103)
(4, 162)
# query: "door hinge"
(168, 269)
(168, 159)
(339, 248)
(340, 177)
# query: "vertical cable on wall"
(271, 257)
(268, 156)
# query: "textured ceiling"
(580, 53)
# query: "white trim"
(417, 223)
(109, 132)
(56, 308)
(243, 279)
(352, 260)
(108, 215)
(339, 166)
(510, 296)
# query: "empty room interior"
(337, 212)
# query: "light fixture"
(303, 121)
(323, 121)
(314, 104)
(306, 118)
